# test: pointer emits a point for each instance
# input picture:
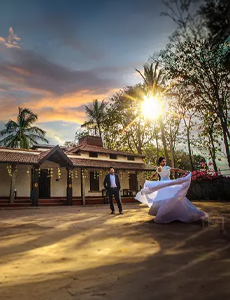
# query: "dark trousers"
(114, 192)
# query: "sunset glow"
(151, 107)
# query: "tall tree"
(198, 64)
(154, 83)
(21, 133)
(209, 136)
(125, 126)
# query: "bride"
(167, 198)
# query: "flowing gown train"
(167, 199)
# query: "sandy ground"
(67, 253)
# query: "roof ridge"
(94, 147)
(20, 150)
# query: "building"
(67, 175)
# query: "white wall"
(4, 181)
(23, 181)
(58, 188)
(22, 184)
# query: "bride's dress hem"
(167, 200)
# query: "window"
(93, 154)
(94, 181)
(131, 158)
(113, 156)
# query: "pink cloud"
(12, 40)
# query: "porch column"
(12, 182)
(35, 186)
(83, 186)
(137, 183)
(69, 190)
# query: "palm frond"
(36, 130)
(22, 130)
(9, 141)
(87, 123)
(36, 137)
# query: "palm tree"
(96, 115)
(21, 133)
(154, 80)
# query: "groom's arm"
(105, 182)
(118, 183)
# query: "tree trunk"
(213, 152)
(226, 126)
(225, 130)
(172, 156)
(163, 140)
(157, 145)
(189, 149)
(12, 182)
(172, 150)
(99, 129)
(139, 148)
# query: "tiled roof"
(46, 146)
(18, 149)
(24, 156)
(19, 157)
(91, 148)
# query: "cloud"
(12, 41)
(69, 108)
(33, 71)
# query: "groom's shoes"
(121, 213)
(112, 212)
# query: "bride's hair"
(160, 159)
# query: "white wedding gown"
(167, 199)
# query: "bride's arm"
(178, 170)
(153, 176)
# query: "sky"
(57, 56)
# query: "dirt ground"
(68, 253)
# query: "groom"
(112, 185)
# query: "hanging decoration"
(48, 174)
(84, 173)
(59, 173)
(76, 174)
(9, 169)
(96, 174)
(39, 172)
(28, 171)
(122, 174)
(71, 174)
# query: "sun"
(151, 107)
